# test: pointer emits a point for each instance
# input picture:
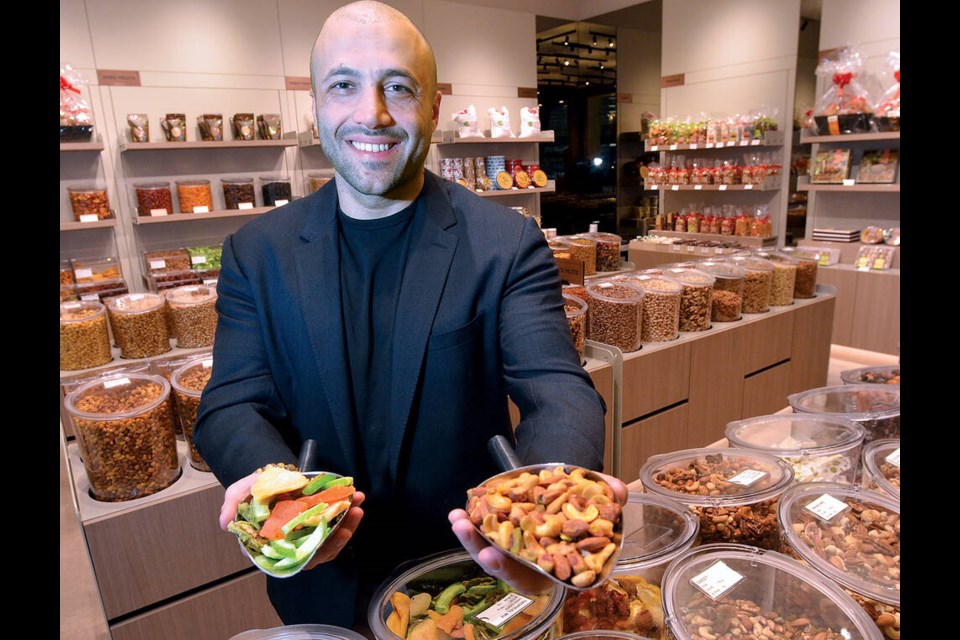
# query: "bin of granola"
(193, 311)
(734, 492)
(84, 339)
(576, 310)
(819, 448)
(614, 311)
(784, 279)
(727, 302)
(889, 374)
(875, 407)
(139, 324)
(696, 298)
(757, 283)
(660, 321)
(449, 595)
(881, 467)
(845, 105)
(733, 591)
(125, 430)
(851, 536)
(188, 383)
(608, 251)
(808, 261)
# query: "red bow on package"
(842, 79)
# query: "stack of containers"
(757, 283)
(875, 407)
(727, 302)
(881, 467)
(696, 298)
(494, 165)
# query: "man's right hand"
(235, 494)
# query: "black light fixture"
(566, 63)
(566, 41)
(594, 40)
(610, 42)
(601, 66)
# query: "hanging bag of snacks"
(886, 114)
(845, 105)
(76, 117)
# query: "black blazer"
(479, 317)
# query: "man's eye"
(341, 86)
(398, 88)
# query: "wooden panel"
(661, 433)
(766, 392)
(716, 387)
(810, 358)
(766, 342)
(146, 555)
(654, 380)
(876, 318)
(846, 283)
(218, 613)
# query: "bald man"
(388, 316)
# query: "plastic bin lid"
(874, 456)
(300, 632)
(655, 531)
(619, 291)
(190, 294)
(862, 375)
(136, 303)
(855, 401)
(125, 388)
(810, 515)
(176, 378)
(722, 269)
(692, 277)
(602, 635)
(795, 434)
(79, 310)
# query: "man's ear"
(436, 109)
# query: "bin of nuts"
(188, 383)
(875, 407)
(734, 592)
(194, 196)
(889, 374)
(733, 492)
(71, 383)
(66, 273)
(851, 536)
(238, 193)
(167, 261)
(317, 180)
(881, 467)
(193, 310)
(784, 280)
(576, 310)
(819, 448)
(696, 298)
(101, 291)
(608, 250)
(139, 325)
(68, 292)
(561, 249)
(125, 429)
(95, 270)
(614, 313)
(727, 301)
(583, 248)
(84, 339)
(88, 201)
(165, 367)
(661, 307)
(808, 262)
(757, 283)
(154, 199)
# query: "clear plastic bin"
(757, 283)
(872, 375)
(154, 199)
(84, 338)
(89, 271)
(727, 302)
(784, 279)
(317, 180)
(808, 264)
(608, 251)
(576, 310)
(194, 196)
(561, 249)
(583, 248)
(167, 260)
(696, 298)
(276, 190)
(139, 325)
(193, 311)
(614, 310)
(238, 193)
(300, 632)
(881, 467)
(188, 383)
(875, 407)
(88, 201)
(662, 297)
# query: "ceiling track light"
(610, 42)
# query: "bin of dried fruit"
(881, 467)
(889, 374)
(734, 492)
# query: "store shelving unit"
(497, 193)
(804, 184)
(193, 217)
(108, 223)
(81, 146)
(881, 136)
(206, 144)
(771, 183)
(771, 139)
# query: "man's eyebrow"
(350, 72)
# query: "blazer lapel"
(318, 271)
(429, 257)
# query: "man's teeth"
(365, 146)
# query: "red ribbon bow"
(842, 79)
(896, 74)
(66, 86)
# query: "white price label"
(849, 182)
(717, 580)
(748, 478)
(676, 247)
(158, 212)
(89, 217)
(693, 147)
(654, 187)
(826, 507)
(71, 305)
(748, 187)
(704, 250)
(604, 285)
(744, 143)
(697, 187)
(675, 187)
(505, 609)
(280, 203)
(894, 458)
(90, 297)
(691, 248)
(245, 205)
(718, 251)
(158, 264)
(754, 143)
(137, 297)
(210, 283)
(207, 363)
(732, 143)
(198, 260)
(673, 147)
(655, 147)
(722, 187)
(119, 382)
(83, 274)
(203, 209)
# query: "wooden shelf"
(769, 184)
(81, 146)
(746, 241)
(190, 217)
(175, 352)
(804, 184)
(108, 223)
(545, 136)
(224, 144)
(550, 188)
(771, 139)
(852, 137)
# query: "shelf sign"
(625, 98)
(748, 478)
(691, 248)
(198, 260)
(717, 580)
(748, 187)
(158, 212)
(826, 507)
(722, 187)
(445, 88)
(672, 147)
(201, 209)
(117, 382)
(676, 80)
(675, 187)
(118, 78)
(245, 205)
(824, 260)
(894, 458)
(693, 146)
(527, 92)
(280, 203)
(83, 274)
(89, 217)
(849, 182)
(571, 271)
(676, 247)
(90, 297)
(298, 83)
(698, 187)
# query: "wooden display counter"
(868, 307)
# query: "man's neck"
(372, 207)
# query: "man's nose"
(372, 111)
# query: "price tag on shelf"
(894, 458)
(754, 143)
(280, 203)
(654, 187)
(717, 580)
(748, 187)
(709, 145)
(698, 187)
(879, 263)
(158, 264)
(207, 363)
(849, 182)
(70, 306)
(158, 212)
(693, 147)
(119, 382)
(863, 263)
(505, 609)
(137, 297)
(211, 282)
(824, 260)
(704, 250)
(675, 187)
(673, 147)
(90, 297)
(731, 143)
(826, 507)
(83, 274)
(722, 187)
(748, 478)
(691, 248)
(198, 259)
(245, 205)
(718, 251)
(203, 209)
(676, 247)
(89, 217)
(655, 147)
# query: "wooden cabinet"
(662, 432)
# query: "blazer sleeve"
(561, 412)
(241, 415)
